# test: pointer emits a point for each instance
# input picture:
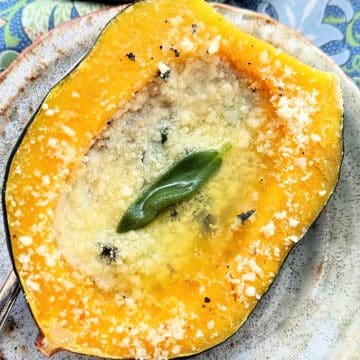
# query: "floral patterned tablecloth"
(333, 25)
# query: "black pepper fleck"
(206, 299)
(164, 135)
(244, 216)
(173, 213)
(165, 75)
(194, 28)
(161, 47)
(143, 156)
(108, 254)
(176, 52)
(131, 56)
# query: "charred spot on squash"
(129, 297)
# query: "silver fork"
(8, 294)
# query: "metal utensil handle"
(8, 294)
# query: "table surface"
(333, 25)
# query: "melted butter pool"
(202, 105)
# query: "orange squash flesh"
(302, 157)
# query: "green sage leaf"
(177, 184)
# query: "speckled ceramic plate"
(311, 311)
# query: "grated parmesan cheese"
(269, 229)
(25, 240)
(250, 291)
(211, 324)
(214, 45)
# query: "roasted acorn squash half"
(166, 79)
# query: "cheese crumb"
(50, 261)
(322, 192)
(41, 250)
(269, 229)
(315, 137)
(163, 68)
(199, 333)
(32, 285)
(52, 142)
(277, 252)
(176, 349)
(24, 259)
(292, 238)
(214, 45)
(126, 190)
(25, 240)
(301, 162)
(50, 112)
(75, 94)
(293, 222)
(45, 180)
(68, 130)
(264, 57)
(119, 329)
(280, 215)
(187, 45)
(249, 277)
(250, 291)
(211, 324)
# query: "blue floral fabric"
(333, 25)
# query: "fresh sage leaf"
(177, 184)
